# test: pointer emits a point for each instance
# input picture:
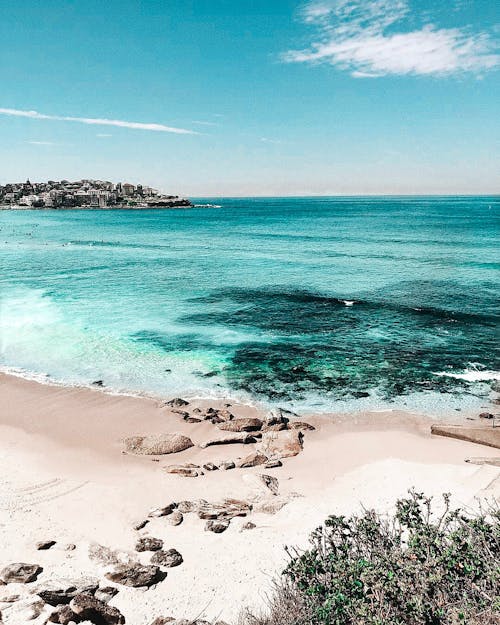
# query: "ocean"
(319, 304)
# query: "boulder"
(177, 402)
(149, 544)
(175, 518)
(253, 460)
(91, 609)
(486, 415)
(60, 592)
(135, 575)
(63, 615)
(157, 444)
(226, 465)
(227, 439)
(164, 511)
(275, 421)
(210, 466)
(168, 558)
(20, 572)
(241, 425)
(281, 444)
(217, 526)
(43, 545)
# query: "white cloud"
(201, 123)
(101, 134)
(274, 141)
(353, 35)
(41, 143)
(98, 121)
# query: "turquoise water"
(326, 303)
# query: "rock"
(183, 413)
(281, 444)
(301, 425)
(175, 518)
(485, 435)
(226, 465)
(140, 525)
(216, 526)
(191, 506)
(270, 482)
(168, 558)
(210, 466)
(158, 444)
(273, 464)
(227, 509)
(20, 572)
(99, 383)
(248, 526)
(106, 556)
(196, 411)
(241, 425)
(63, 615)
(106, 594)
(177, 402)
(43, 545)
(158, 512)
(227, 439)
(192, 420)
(486, 415)
(135, 575)
(184, 470)
(91, 609)
(69, 547)
(148, 544)
(61, 592)
(275, 421)
(253, 460)
(495, 462)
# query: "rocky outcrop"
(157, 444)
(282, 444)
(135, 575)
(20, 573)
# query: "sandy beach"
(64, 477)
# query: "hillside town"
(85, 194)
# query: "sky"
(253, 97)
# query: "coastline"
(72, 483)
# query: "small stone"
(168, 558)
(216, 526)
(486, 415)
(192, 420)
(99, 383)
(164, 511)
(149, 544)
(270, 482)
(253, 460)
(20, 572)
(226, 465)
(69, 547)
(177, 402)
(106, 594)
(141, 524)
(210, 466)
(183, 470)
(175, 518)
(248, 526)
(273, 464)
(43, 545)
(301, 425)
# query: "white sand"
(63, 477)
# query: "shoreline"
(72, 483)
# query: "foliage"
(413, 568)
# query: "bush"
(412, 568)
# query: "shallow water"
(325, 303)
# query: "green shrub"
(411, 568)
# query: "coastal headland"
(104, 486)
(90, 194)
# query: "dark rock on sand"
(177, 402)
(164, 511)
(248, 526)
(91, 609)
(273, 464)
(300, 425)
(43, 545)
(141, 525)
(168, 558)
(63, 615)
(135, 575)
(210, 466)
(486, 415)
(227, 439)
(20, 572)
(270, 482)
(158, 444)
(184, 470)
(217, 526)
(61, 592)
(106, 594)
(149, 544)
(226, 465)
(241, 425)
(175, 518)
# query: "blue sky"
(219, 97)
